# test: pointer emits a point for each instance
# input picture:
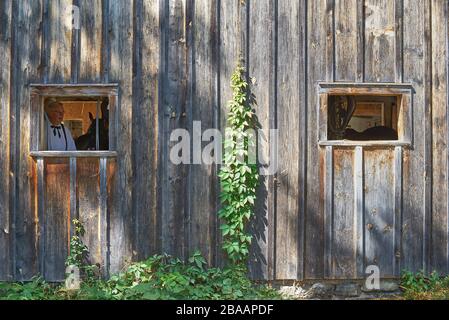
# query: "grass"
(419, 286)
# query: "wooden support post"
(41, 213)
(73, 209)
(328, 212)
(397, 209)
(359, 207)
(102, 223)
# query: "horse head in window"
(87, 141)
(373, 133)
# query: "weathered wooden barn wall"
(172, 60)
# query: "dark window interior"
(363, 117)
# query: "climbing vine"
(79, 253)
(78, 250)
(238, 175)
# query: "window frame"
(38, 92)
(405, 112)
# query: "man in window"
(58, 137)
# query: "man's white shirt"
(59, 138)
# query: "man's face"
(56, 114)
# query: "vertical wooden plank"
(447, 124)
(121, 54)
(203, 182)
(344, 220)
(229, 47)
(329, 24)
(346, 40)
(380, 40)
(57, 61)
(76, 35)
(262, 66)
(360, 41)
(105, 44)
(6, 268)
(174, 177)
(413, 167)
(59, 41)
(379, 209)
(162, 113)
(318, 26)
(57, 217)
(90, 40)
(45, 40)
(398, 185)
(302, 172)
(428, 127)
(359, 212)
(439, 60)
(398, 22)
(113, 195)
(217, 124)
(89, 205)
(232, 24)
(146, 124)
(26, 69)
(329, 211)
(290, 113)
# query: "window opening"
(363, 117)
